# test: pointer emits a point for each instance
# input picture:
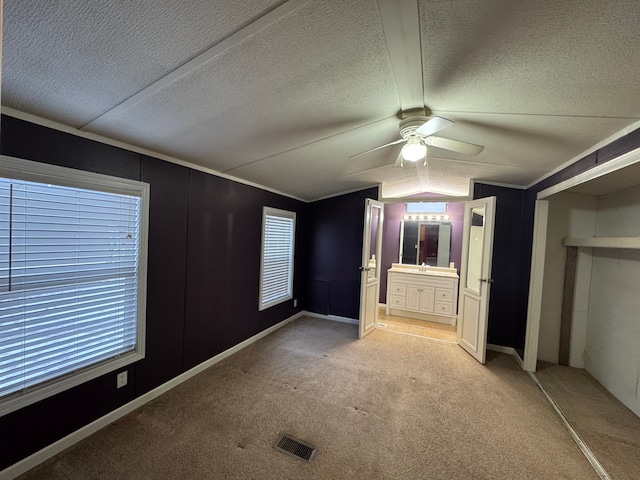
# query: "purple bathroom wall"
(456, 212)
(393, 213)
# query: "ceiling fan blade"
(454, 145)
(399, 160)
(378, 148)
(433, 125)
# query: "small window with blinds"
(276, 266)
(72, 286)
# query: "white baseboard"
(40, 456)
(500, 348)
(507, 350)
(519, 360)
(335, 318)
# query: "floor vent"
(295, 447)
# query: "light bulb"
(414, 150)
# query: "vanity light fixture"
(437, 218)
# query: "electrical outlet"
(122, 379)
(295, 302)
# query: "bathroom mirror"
(476, 241)
(425, 242)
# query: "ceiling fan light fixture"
(414, 150)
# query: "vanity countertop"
(419, 270)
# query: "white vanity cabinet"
(429, 294)
(420, 298)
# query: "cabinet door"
(427, 295)
(413, 297)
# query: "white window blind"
(69, 282)
(276, 276)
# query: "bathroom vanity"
(424, 293)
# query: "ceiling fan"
(417, 132)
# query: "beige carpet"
(390, 406)
(610, 429)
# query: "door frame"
(538, 253)
(536, 281)
(384, 201)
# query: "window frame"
(284, 214)
(27, 170)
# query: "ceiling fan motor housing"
(409, 125)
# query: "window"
(72, 278)
(276, 266)
(427, 207)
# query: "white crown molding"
(619, 134)
(599, 170)
(133, 148)
(333, 195)
(500, 184)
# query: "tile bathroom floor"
(422, 328)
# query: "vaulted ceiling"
(285, 93)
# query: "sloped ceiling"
(284, 94)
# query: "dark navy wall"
(503, 300)
(168, 207)
(335, 234)
(202, 282)
(223, 265)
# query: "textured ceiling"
(71, 61)
(283, 93)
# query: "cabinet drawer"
(444, 294)
(398, 289)
(396, 301)
(443, 308)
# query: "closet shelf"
(603, 242)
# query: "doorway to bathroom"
(425, 247)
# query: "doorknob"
(364, 269)
(487, 280)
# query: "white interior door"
(370, 267)
(475, 276)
